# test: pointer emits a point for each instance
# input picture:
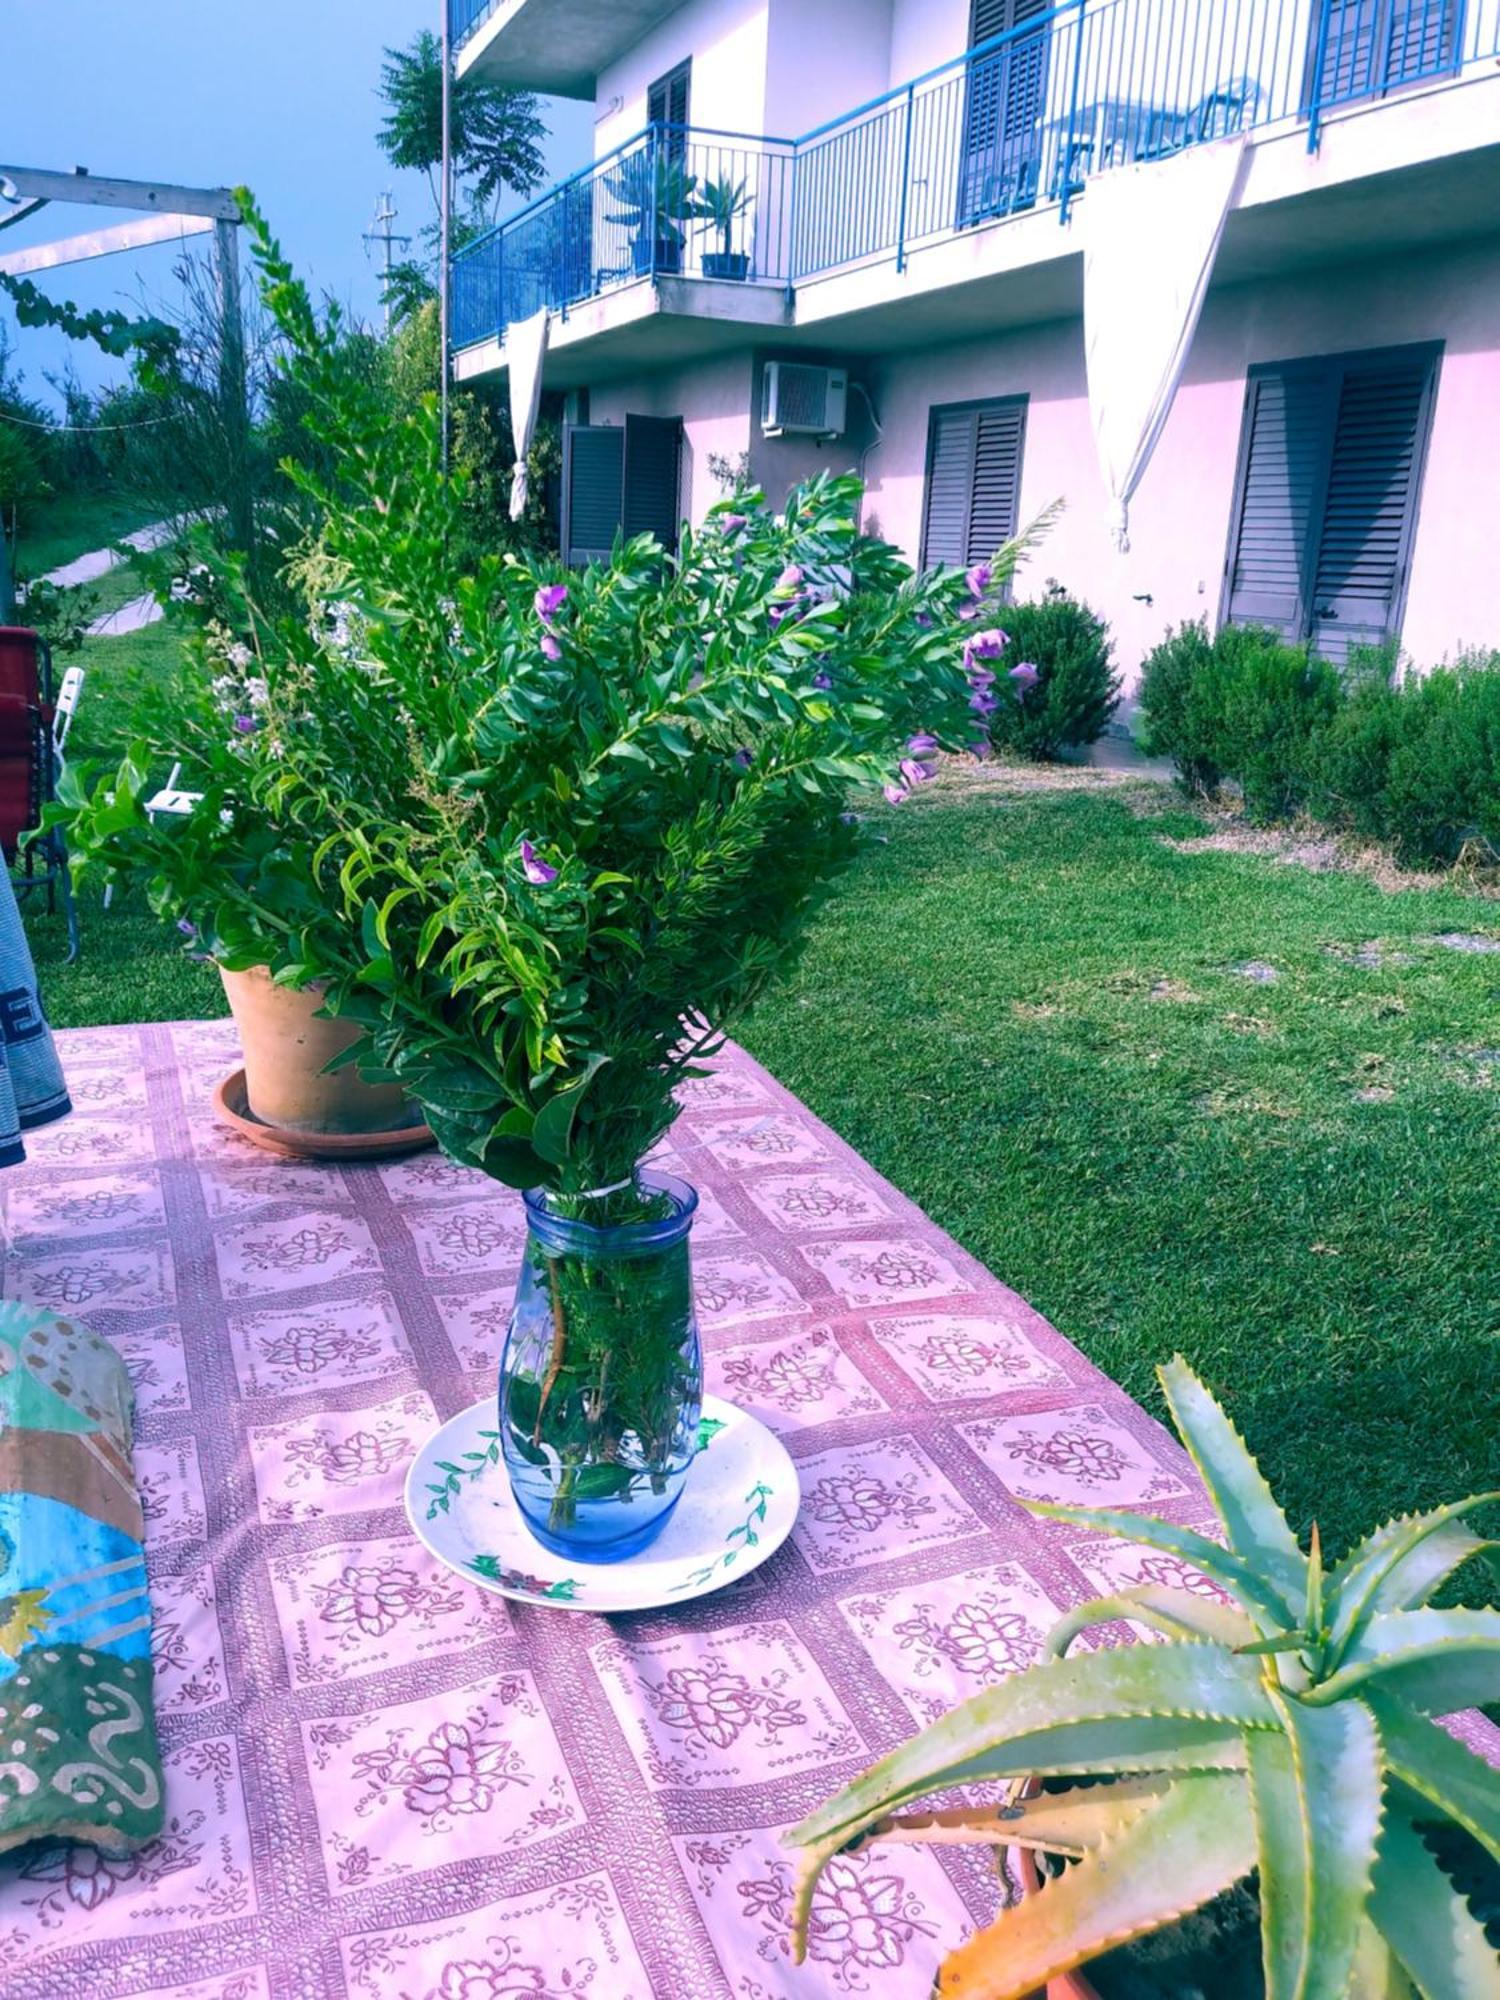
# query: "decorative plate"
(736, 1509)
(233, 1106)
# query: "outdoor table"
(385, 1783)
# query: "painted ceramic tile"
(89, 1205)
(472, 1236)
(882, 1921)
(937, 1643)
(320, 1346)
(830, 1199)
(873, 1503)
(285, 1254)
(570, 1942)
(339, 1462)
(953, 1356)
(739, 1706)
(451, 1777)
(158, 1368)
(170, 1480)
(742, 1285)
(772, 1140)
(1080, 1456)
(197, 1873)
(886, 1272)
(187, 1646)
(792, 1384)
(476, 1323)
(361, 1607)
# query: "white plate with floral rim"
(737, 1508)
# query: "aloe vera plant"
(1289, 1732)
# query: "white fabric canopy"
(1153, 234)
(525, 350)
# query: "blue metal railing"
(1022, 121)
(464, 16)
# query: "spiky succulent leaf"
(1126, 1709)
(1317, 1791)
(1259, 1532)
(1069, 1823)
(1378, 1973)
(1177, 1614)
(1426, 1922)
(1171, 1858)
(1222, 1566)
(1433, 1764)
(1437, 1661)
(1400, 1565)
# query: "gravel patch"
(1469, 941)
(1258, 971)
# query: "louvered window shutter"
(1326, 499)
(1369, 515)
(1371, 46)
(593, 490)
(653, 464)
(1005, 96)
(974, 453)
(1423, 39)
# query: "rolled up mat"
(78, 1750)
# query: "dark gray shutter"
(974, 453)
(1371, 46)
(1005, 94)
(1423, 39)
(1369, 516)
(1283, 466)
(653, 470)
(593, 490)
(667, 101)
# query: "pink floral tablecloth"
(385, 1784)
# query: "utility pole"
(445, 220)
(233, 395)
(381, 232)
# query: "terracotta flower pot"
(286, 1049)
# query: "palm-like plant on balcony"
(654, 195)
(1287, 1726)
(719, 206)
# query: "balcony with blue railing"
(1020, 123)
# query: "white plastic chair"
(170, 799)
(65, 708)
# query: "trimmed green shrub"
(1077, 690)
(1176, 716)
(1442, 791)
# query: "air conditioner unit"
(801, 401)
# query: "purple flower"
(895, 794)
(979, 578)
(923, 619)
(535, 870)
(981, 750)
(731, 523)
(550, 648)
(549, 600)
(822, 681)
(983, 702)
(1025, 675)
(789, 579)
(914, 773)
(245, 725)
(922, 745)
(981, 677)
(984, 646)
(742, 760)
(189, 930)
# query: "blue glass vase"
(601, 1380)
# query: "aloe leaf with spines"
(1291, 1736)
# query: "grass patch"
(131, 968)
(54, 531)
(1022, 1011)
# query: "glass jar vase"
(601, 1380)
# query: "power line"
(64, 430)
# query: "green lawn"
(54, 531)
(1023, 1010)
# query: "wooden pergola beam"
(103, 243)
(95, 191)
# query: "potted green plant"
(718, 206)
(1287, 1727)
(654, 196)
(573, 824)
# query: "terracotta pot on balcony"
(285, 1100)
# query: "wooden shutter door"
(593, 490)
(999, 437)
(950, 487)
(1279, 494)
(1005, 97)
(653, 469)
(1364, 548)
(1422, 39)
(1353, 50)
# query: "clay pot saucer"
(232, 1106)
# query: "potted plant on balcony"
(573, 824)
(719, 205)
(654, 195)
(1287, 1726)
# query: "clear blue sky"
(278, 94)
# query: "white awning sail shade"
(1153, 233)
(525, 351)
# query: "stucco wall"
(726, 40)
(712, 398)
(825, 57)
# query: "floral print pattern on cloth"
(382, 1780)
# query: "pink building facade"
(1331, 458)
